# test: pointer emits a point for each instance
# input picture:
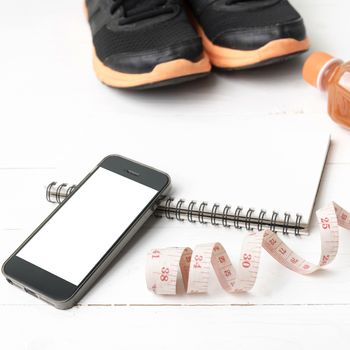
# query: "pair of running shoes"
(150, 43)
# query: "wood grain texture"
(58, 121)
(147, 327)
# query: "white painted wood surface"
(57, 122)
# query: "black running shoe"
(240, 34)
(144, 43)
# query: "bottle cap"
(316, 66)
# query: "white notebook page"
(278, 170)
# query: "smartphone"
(64, 256)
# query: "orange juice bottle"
(333, 75)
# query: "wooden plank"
(276, 327)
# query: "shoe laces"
(137, 10)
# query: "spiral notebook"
(246, 179)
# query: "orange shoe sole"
(163, 74)
(226, 58)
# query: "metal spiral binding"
(225, 214)
(190, 212)
(203, 213)
(58, 194)
(249, 218)
(49, 190)
(168, 207)
(214, 211)
(236, 217)
(178, 210)
(297, 227)
(261, 220)
(286, 223)
(273, 221)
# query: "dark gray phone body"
(57, 291)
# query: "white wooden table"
(58, 121)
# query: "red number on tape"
(294, 260)
(282, 250)
(325, 259)
(246, 260)
(198, 259)
(272, 241)
(227, 273)
(164, 274)
(155, 254)
(325, 223)
(222, 259)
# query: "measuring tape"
(163, 265)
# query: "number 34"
(325, 223)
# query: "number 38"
(325, 223)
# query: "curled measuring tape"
(163, 264)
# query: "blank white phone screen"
(71, 243)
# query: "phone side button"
(30, 292)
